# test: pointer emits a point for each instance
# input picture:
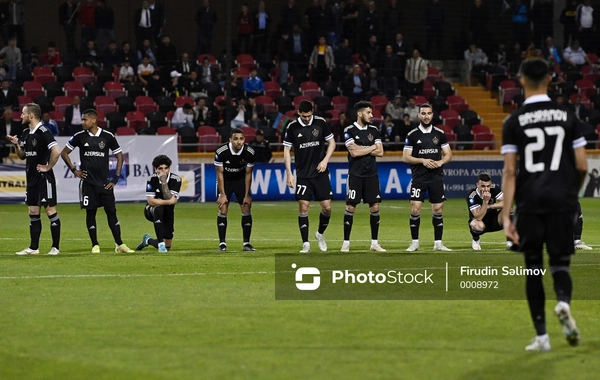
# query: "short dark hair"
(91, 112)
(484, 177)
(34, 109)
(187, 106)
(305, 106)
(236, 130)
(161, 160)
(424, 105)
(535, 71)
(360, 105)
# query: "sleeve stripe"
(285, 143)
(149, 194)
(118, 150)
(52, 144)
(445, 145)
(580, 142)
(500, 195)
(377, 141)
(474, 207)
(349, 141)
(509, 148)
(217, 163)
(250, 165)
(408, 147)
(329, 137)
(174, 192)
(70, 146)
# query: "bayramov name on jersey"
(541, 116)
(92, 153)
(428, 151)
(309, 144)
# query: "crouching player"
(162, 193)
(485, 203)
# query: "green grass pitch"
(197, 313)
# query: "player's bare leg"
(35, 230)
(415, 223)
(477, 228)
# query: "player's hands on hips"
(43, 168)
(322, 166)
(222, 200)
(109, 186)
(290, 181)
(511, 231)
(80, 173)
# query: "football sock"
(222, 226)
(159, 226)
(375, 218)
(35, 230)
(535, 295)
(348, 220)
(324, 221)
(563, 285)
(246, 226)
(55, 229)
(303, 225)
(153, 242)
(113, 223)
(438, 226)
(90, 221)
(475, 235)
(415, 223)
(578, 228)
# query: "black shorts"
(238, 188)
(556, 230)
(491, 222)
(168, 219)
(363, 188)
(92, 197)
(435, 191)
(318, 186)
(42, 194)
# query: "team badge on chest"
(101, 144)
(315, 132)
(34, 142)
(435, 140)
(370, 137)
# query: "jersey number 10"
(539, 144)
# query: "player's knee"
(437, 208)
(373, 208)
(415, 209)
(534, 260)
(326, 209)
(477, 226)
(303, 208)
(51, 210)
(350, 207)
(34, 210)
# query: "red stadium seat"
(33, 89)
(457, 103)
(480, 128)
(136, 120)
(267, 103)
(209, 143)
(181, 100)
(379, 102)
(433, 75)
(272, 90)
(340, 103)
(62, 102)
(114, 89)
(299, 99)
(246, 61)
(585, 87)
(206, 130)
(166, 131)
(450, 118)
(24, 100)
(43, 74)
(105, 104)
(83, 75)
(483, 141)
(428, 89)
(125, 131)
(249, 133)
(74, 89)
(446, 128)
(145, 104)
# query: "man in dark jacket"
(206, 19)
(8, 97)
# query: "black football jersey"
(426, 143)
(363, 166)
(310, 145)
(94, 154)
(234, 164)
(475, 200)
(544, 135)
(37, 145)
(154, 186)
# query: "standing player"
(578, 230)
(364, 144)
(485, 204)
(162, 193)
(551, 149)
(38, 147)
(423, 150)
(96, 188)
(234, 162)
(308, 135)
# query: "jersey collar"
(309, 123)
(233, 151)
(97, 133)
(359, 127)
(422, 128)
(537, 99)
(35, 129)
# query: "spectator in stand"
(87, 21)
(66, 18)
(394, 108)
(154, 85)
(477, 62)
(4, 69)
(579, 109)
(514, 58)
(289, 16)
(192, 86)
(343, 55)
(262, 27)
(568, 18)
(321, 61)
(369, 21)
(553, 54)
(90, 57)
(173, 86)
(145, 70)
(390, 71)
(434, 23)
(159, 18)
(262, 150)
(206, 19)
(126, 51)
(13, 57)
(206, 74)
(499, 58)
(340, 126)
(393, 21)
(253, 85)
(298, 52)
(355, 85)
(183, 117)
(311, 16)
(283, 52)
(412, 110)
(238, 116)
(144, 20)
(73, 118)
(147, 50)
(126, 73)
(415, 73)
(105, 23)
(8, 97)
(33, 58)
(166, 53)
(217, 119)
(532, 51)
(542, 17)
(586, 24)
(575, 56)
(480, 18)
(16, 21)
(49, 123)
(237, 86)
(375, 85)
(406, 126)
(184, 66)
(51, 58)
(520, 21)
(202, 113)
(8, 127)
(372, 53)
(245, 29)
(112, 56)
(402, 51)
(390, 134)
(255, 114)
